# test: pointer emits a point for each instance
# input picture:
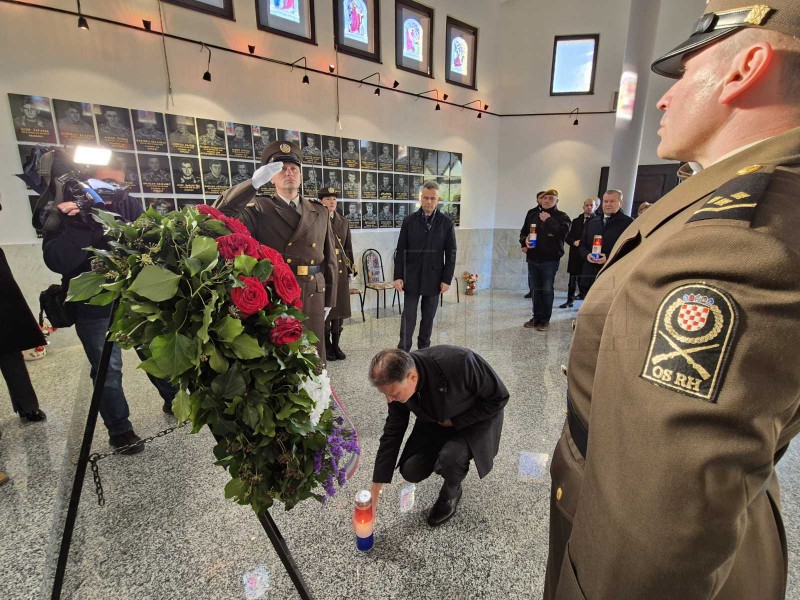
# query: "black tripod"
(264, 518)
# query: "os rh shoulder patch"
(691, 341)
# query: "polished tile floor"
(166, 531)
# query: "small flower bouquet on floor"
(470, 279)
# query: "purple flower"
(318, 461)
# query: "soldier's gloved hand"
(327, 311)
(266, 172)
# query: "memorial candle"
(363, 521)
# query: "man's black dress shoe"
(121, 440)
(528, 295)
(34, 416)
(567, 304)
(444, 508)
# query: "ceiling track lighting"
(82, 22)
(207, 74)
(148, 25)
(480, 113)
(434, 90)
(395, 84)
(251, 49)
(331, 68)
(306, 80)
(577, 112)
(377, 91)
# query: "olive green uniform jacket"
(684, 371)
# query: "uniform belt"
(578, 431)
(306, 269)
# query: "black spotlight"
(485, 107)
(575, 122)
(437, 107)
(377, 91)
(83, 23)
(395, 84)
(251, 48)
(148, 25)
(444, 97)
(305, 80)
(207, 76)
(331, 68)
(480, 115)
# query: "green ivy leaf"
(184, 406)
(228, 329)
(150, 366)
(204, 254)
(155, 283)
(103, 299)
(217, 361)
(230, 383)
(84, 286)
(216, 226)
(246, 347)
(235, 488)
(263, 270)
(287, 410)
(174, 353)
(208, 310)
(244, 264)
(250, 416)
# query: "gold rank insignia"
(285, 148)
(691, 341)
(750, 169)
(738, 198)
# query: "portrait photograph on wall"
(263, 137)
(186, 174)
(385, 215)
(184, 202)
(352, 185)
(332, 151)
(401, 158)
(33, 119)
(289, 135)
(430, 166)
(350, 154)
(126, 162)
(415, 161)
(240, 140)
(312, 153)
(215, 176)
(182, 134)
(148, 131)
(413, 37)
(461, 53)
(401, 211)
(161, 205)
(385, 158)
(114, 126)
(289, 18)
(352, 212)
(312, 181)
(211, 136)
(333, 179)
(156, 177)
(355, 28)
(218, 8)
(369, 160)
(385, 186)
(401, 187)
(369, 216)
(75, 122)
(241, 171)
(369, 186)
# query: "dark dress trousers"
(575, 263)
(425, 258)
(306, 243)
(611, 231)
(456, 384)
(19, 332)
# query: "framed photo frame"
(290, 18)
(356, 28)
(461, 54)
(413, 48)
(218, 8)
(572, 54)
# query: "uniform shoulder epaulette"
(738, 198)
(315, 201)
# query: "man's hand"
(327, 311)
(376, 496)
(524, 249)
(443, 287)
(398, 285)
(543, 216)
(266, 172)
(596, 261)
(69, 208)
(446, 423)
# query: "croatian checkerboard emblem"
(691, 341)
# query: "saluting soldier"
(296, 227)
(344, 259)
(683, 385)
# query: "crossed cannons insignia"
(691, 341)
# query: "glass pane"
(574, 61)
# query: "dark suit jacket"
(575, 264)
(425, 258)
(343, 241)
(20, 330)
(611, 232)
(550, 234)
(456, 384)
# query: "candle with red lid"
(597, 246)
(364, 521)
(532, 236)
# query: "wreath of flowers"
(470, 279)
(219, 315)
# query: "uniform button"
(340, 271)
(289, 244)
(313, 244)
(289, 260)
(323, 289)
(311, 278)
(442, 389)
(559, 493)
(311, 295)
(312, 262)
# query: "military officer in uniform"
(344, 259)
(296, 227)
(683, 383)
(215, 176)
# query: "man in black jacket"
(575, 265)
(424, 265)
(543, 258)
(64, 253)
(458, 402)
(610, 226)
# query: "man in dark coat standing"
(458, 402)
(344, 259)
(424, 264)
(297, 227)
(575, 264)
(544, 257)
(610, 225)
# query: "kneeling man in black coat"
(458, 402)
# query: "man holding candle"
(458, 402)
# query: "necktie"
(293, 204)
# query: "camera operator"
(64, 253)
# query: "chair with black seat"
(372, 270)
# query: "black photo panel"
(211, 136)
(182, 134)
(186, 175)
(33, 121)
(155, 170)
(114, 126)
(148, 131)
(75, 122)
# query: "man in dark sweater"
(610, 226)
(543, 258)
(458, 402)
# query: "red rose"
(251, 298)
(271, 254)
(286, 284)
(205, 209)
(298, 304)
(231, 246)
(286, 331)
(235, 226)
